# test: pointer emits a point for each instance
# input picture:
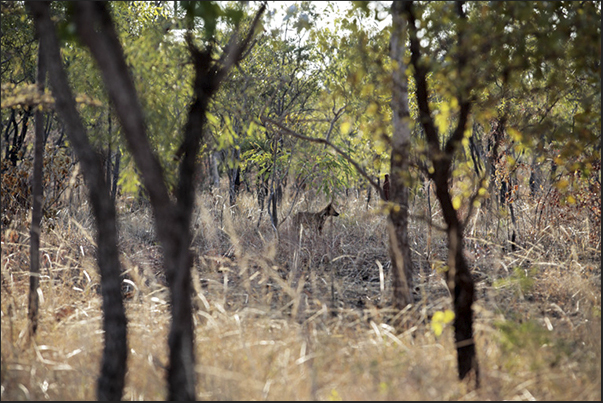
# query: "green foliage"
(17, 44)
(65, 25)
(529, 344)
(272, 81)
(358, 81)
(527, 335)
(535, 64)
(210, 12)
(162, 78)
(26, 95)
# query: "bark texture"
(402, 267)
(172, 219)
(458, 277)
(38, 202)
(113, 367)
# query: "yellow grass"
(261, 337)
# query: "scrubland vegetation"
(175, 142)
(538, 312)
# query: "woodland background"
(531, 205)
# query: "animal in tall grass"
(314, 221)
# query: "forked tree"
(96, 29)
(458, 277)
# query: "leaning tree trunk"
(170, 221)
(402, 268)
(113, 368)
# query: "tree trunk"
(115, 174)
(38, 202)
(215, 176)
(459, 281)
(18, 138)
(458, 276)
(113, 368)
(172, 220)
(402, 267)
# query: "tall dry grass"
(278, 318)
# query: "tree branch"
(422, 92)
(235, 55)
(113, 367)
(464, 85)
(336, 115)
(107, 51)
(333, 146)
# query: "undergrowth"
(279, 318)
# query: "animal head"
(329, 211)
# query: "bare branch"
(464, 86)
(236, 49)
(337, 114)
(107, 51)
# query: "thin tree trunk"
(38, 201)
(402, 267)
(458, 276)
(115, 174)
(113, 367)
(215, 176)
(460, 283)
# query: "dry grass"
(328, 334)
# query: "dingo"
(314, 220)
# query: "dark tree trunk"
(458, 276)
(459, 281)
(113, 368)
(115, 174)
(38, 202)
(172, 220)
(18, 138)
(234, 176)
(11, 126)
(402, 268)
